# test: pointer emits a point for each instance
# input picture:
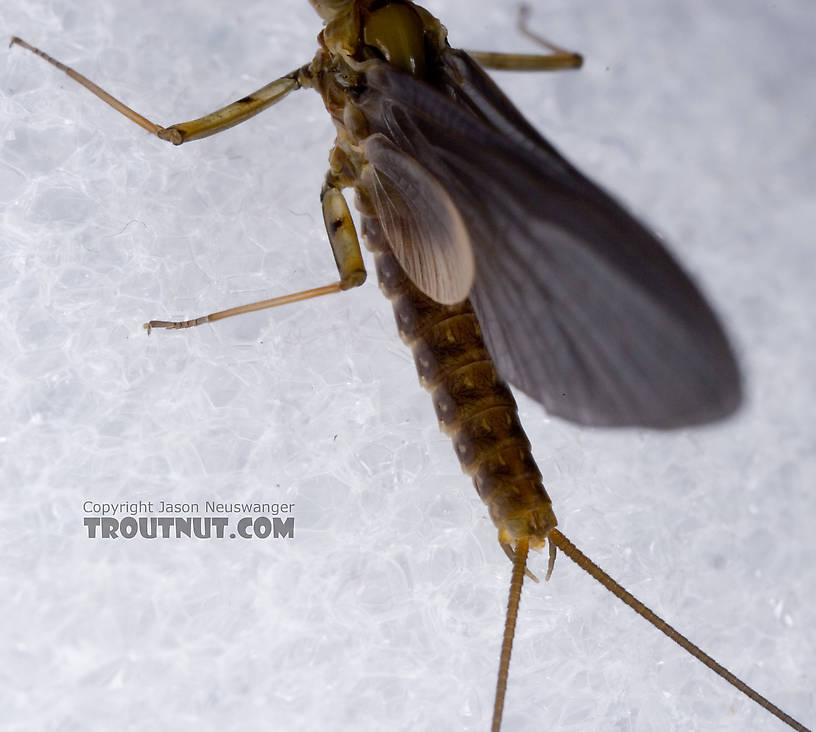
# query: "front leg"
(217, 121)
(558, 59)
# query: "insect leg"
(347, 256)
(210, 124)
(558, 60)
(241, 309)
(527, 61)
(342, 235)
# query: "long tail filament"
(519, 568)
(585, 563)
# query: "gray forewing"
(580, 305)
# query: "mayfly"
(502, 261)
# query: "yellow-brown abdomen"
(474, 406)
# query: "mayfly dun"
(502, 261)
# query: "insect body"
(502, 261)
(580, 306)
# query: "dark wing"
(580, 305)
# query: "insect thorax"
(359, 33)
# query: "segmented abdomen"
(474, 406)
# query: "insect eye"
(328, 9)
(396, 32)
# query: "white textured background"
(385, 612)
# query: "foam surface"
(385, 611)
